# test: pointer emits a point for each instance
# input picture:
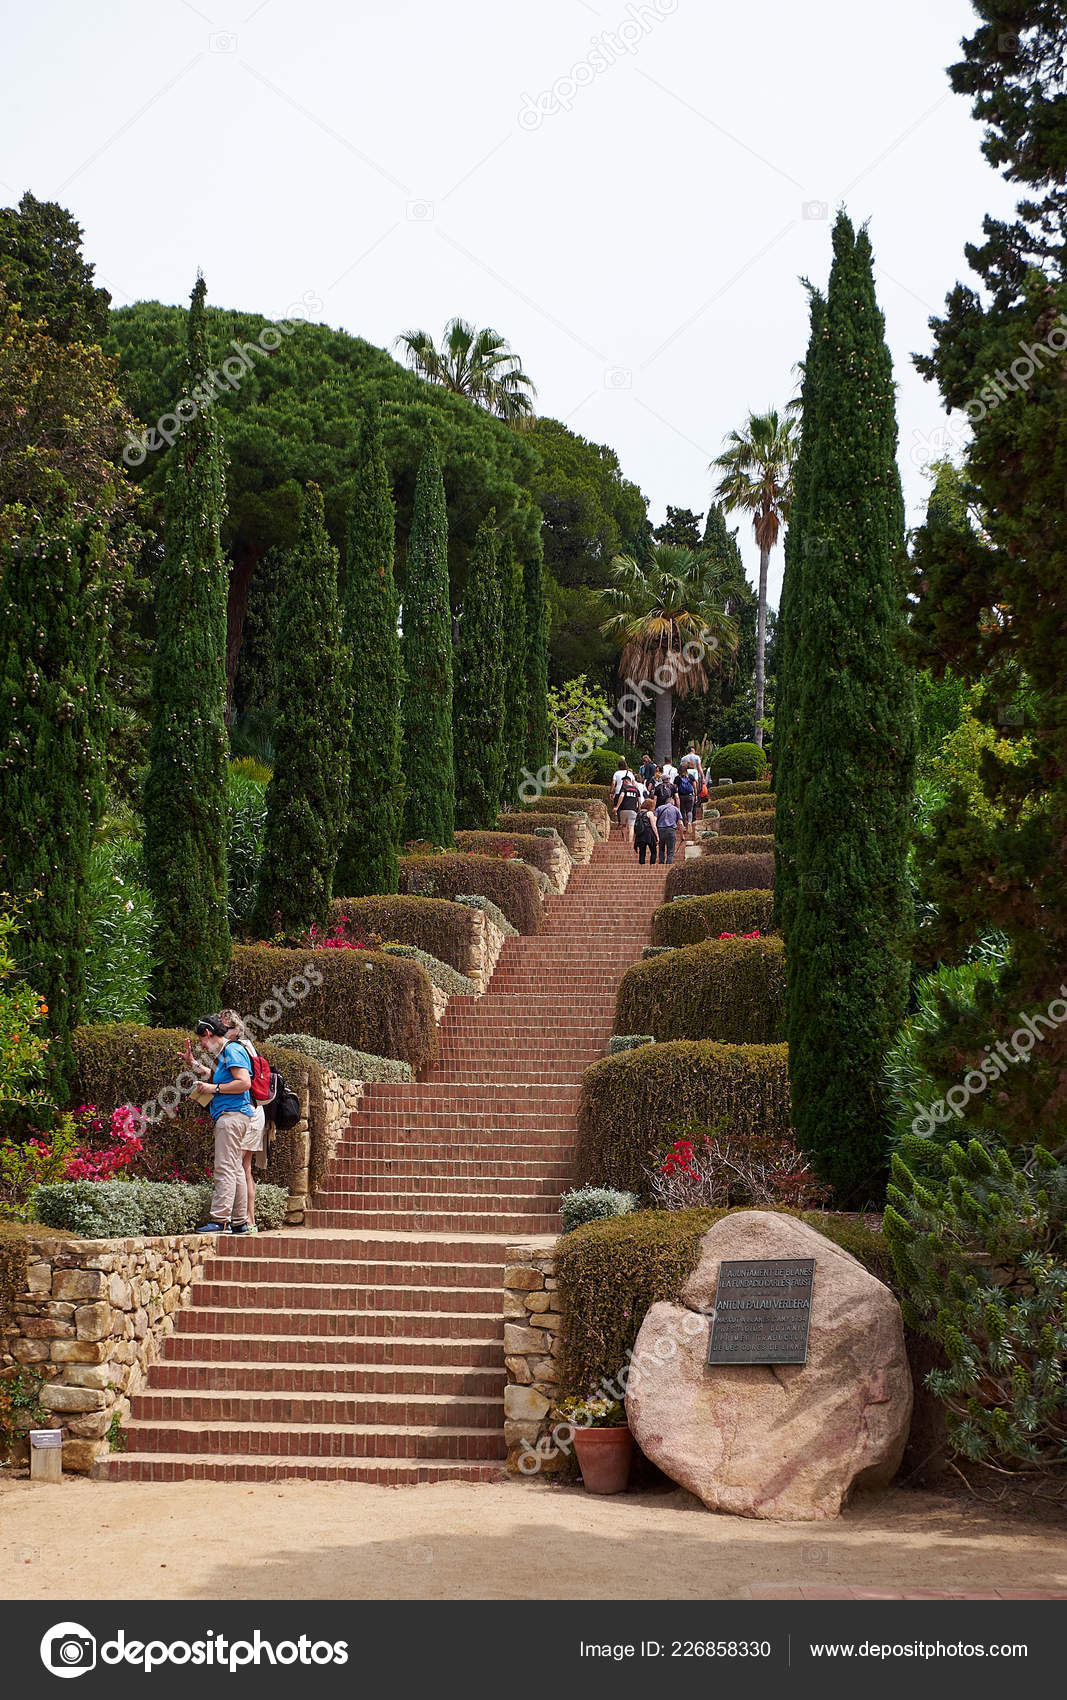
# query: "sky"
(630, 191)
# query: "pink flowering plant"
(713, 1166)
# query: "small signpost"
(762, 1311)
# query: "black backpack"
(629, 797)
(643, 833)
(685, 785)
(283, 1107)
(664, 792)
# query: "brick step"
(311, 1440)
(434, 1221)
(368, 1353)
(359, 1272)
(443, 1074)
(334, 1410)
(358, 1144)
(302, 1378)
(415, 1247)
(177, 1467)
(445, 1192)
(467, 1325)
(383, 1173)
(358, 1298)
(529, 1130)
(471, 1201)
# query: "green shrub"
(738, 761)
(611, 1271)
(598, 767)
(629, 1042)
(446, 978)
(474, 900)
(246, 816)
(727, 989)
(537, 852)
(363, 998)
(751, 823)
(554, 804)
(602, 793)
(342, 1060)
(508, 884)
(118, 959)
(692, 919)
(747, 788)
(593, 1204)
(914, 1088)
(741, 844)
(569, 826)
(628, 1101)
(729, 803)
(250, 767)
(445, 930)
(711, 873)
(102, 1210)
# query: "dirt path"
(318, 1540)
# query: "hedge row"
(750, 823)
(696, 918)
(568, 826)
(744, 788)
(599, 813)
(610, 1272)
(744, 762)
(441, 974)
(526, 846)
(601, 792)
(727, 989)
(360, 998)
(342, 1060)
(629, 1100)
(100, 1210)
(756, 802)
(744, 844)
(508, 884)
(709, 873)
(446, 930)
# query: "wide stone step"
(259, 1319)
(280, 1377)
(436, 1221)
(401, 1410)
(375, 1353)
(356, 1272)
(178, 1467)
(311, 1440)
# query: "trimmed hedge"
(697, 918)
(712, 873)
(752, 823)
(753, 802)
(527, 846)
(508, 884)
(342, 1060)
(627, 1101)
(554, 806)
(744, 788)
(727, 989)
(601, 792)
(445, 930)
(568, 826)
(364, 998)
(474, 900)
(744, 762)
(611, 1271)
(103, 1210)
(442, 975)
(741, 844)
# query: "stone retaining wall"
(340, 1101)
(486, 944)
(531, 1337)
(91, 1320)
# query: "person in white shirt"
(670, 772)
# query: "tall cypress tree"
(429, 794)
(368, 862)
(851, 747)
(478, 704)
(536, 659)
(515, 683)
(185, 786)
(307, 798)
(51, 762)
(801, 555)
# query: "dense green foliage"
(511, 841)
(738, 761)
(695, 918)
(440, 974)
(515, 637)
(246, 819)
(446, 930)
(478, 730)
(508, 884)
(923, 1063)
(739, 844)
(429, 774)
(729, 806)
(307, 798)
(52, 726)
(706, 873)
(367, 861)
(852, 747)
(118, 956)
(102, 1210)
(185, 787)
(343, 1060)
(533, 588)
(727, 989)
(42, 268)
(756, 823)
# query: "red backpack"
(263, 1079)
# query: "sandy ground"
(456, 1541)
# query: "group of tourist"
(657, 804)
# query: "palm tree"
(668, 616)
(757, 477)
(475, 363)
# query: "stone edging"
(531, 1345)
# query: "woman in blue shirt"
(231, 1109)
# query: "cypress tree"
(307, 798)
(851, 747)
(368, 862)
(51, 763)
(429, 795)
(515, 683)
(537, 741)
(478, 705)
(185, 786)
(800, 551)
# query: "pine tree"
(185, 786)
(478, 705)
(515, 683)
(851, 747)
(429, 795)
(307, 798)
(51, 762)
(368, 861)
(537, 742)
(801, 552)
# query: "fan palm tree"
(668, 615)
(757, 478)
(475, 363)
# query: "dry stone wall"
(531, 1346)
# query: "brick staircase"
(368, 1343)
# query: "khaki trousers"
(229, 1200)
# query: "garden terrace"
(752, 824)
(452, 932)
(575, 829)
(568, 808)
(700, 875)
(753, 802)
(743, 844)
(727, 989)
(512, 887)
(692, 919)
(549, 854)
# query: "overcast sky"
(628, 192)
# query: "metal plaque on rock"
(762, 1310)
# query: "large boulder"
(785, 1440)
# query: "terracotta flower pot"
(604, 1456)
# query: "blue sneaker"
(214, 1228)
(238, 1227)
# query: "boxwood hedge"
(525, 845)
(349, 1064)
(727, 989)
(508, 884)
(444, 929)
(753, 802)
(100, 1210)
(745, 788)
(695, 918)
(554, 805)
(744, 762)
(628, 1100)
(569, 826)
(751, 823)
(741, 844)
(709, 872)
(575, 789)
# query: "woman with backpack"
(229, 1102)
(629, 803)
(254, 1142)
(645, 835)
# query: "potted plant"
(602, 1441)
